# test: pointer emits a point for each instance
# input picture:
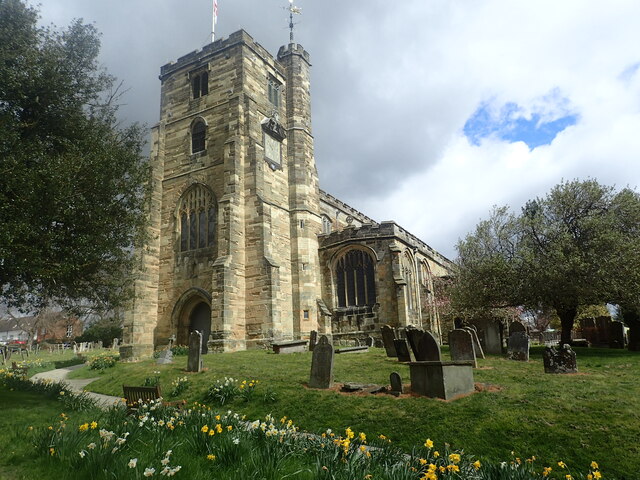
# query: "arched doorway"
(200, 320)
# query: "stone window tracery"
(273, 91)
(197, 219)
(355, 279)
(409, 276)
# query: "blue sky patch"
(512, 123)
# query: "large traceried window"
(355, 279)
(197, 219)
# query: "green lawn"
(593, 415)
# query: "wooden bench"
(135, 395)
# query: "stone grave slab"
(476, 342)
(461, 346)
(194, 360)
(446, 380)
(518, 348)
(360, 349)
(395, 380)
(402, 350)
(322, 365)
(429, 348)
(292, 346)
(561, 360)
(388, 336)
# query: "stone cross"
(194, 361)
(387, 339)
(461, 346)
(396, 383)
(402, 350)
(518, 348)
(429, 348)
(322, 365)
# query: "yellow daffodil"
(428, 443)
(594, 466)
(477, 464)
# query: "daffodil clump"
(178, 386)
(102, 362)
(223, 391)
(198, 442)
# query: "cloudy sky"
(426, 112)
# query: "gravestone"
(476, 342)
(414, 336)
(461, 346)
(428, 348)
(616, 335)
(387, 339)
(322, 365)
(518, 348)
(165, 358)
(493, 337)
(402, 350)
(562, 360)
(100, 343)
(395, 380)
(516, 327)
(313, 339)
(603, 326)
(115, 343)
(194, 361)
(369, 341)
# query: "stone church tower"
(235, 213)
(244, 246)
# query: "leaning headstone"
(476, 342)
(313, 339)
(461, 346)
(516, 327)
(518, 348)
(387, 339)
(562, 360)
(616, 335)
(429, 348)
(396, 384)
(322, 365)
(194, 361)
(414, 336)
(402, 350)
(165, 358)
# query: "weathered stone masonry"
(236, 217)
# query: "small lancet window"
(198, 137)
(273, 90)
(199, 84)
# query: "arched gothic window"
(355, 279)
(326, 225)
(197, 214)
(198, 136)
(408, 272)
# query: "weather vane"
(292, 10)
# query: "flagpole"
(215, 19)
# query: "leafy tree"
(72, 192)
(104, 329)
(563, 251)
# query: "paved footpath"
(76, 385)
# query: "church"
(244, 245)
